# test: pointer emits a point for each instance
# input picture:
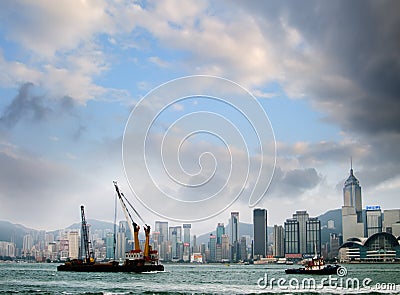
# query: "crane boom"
(85, 234)
(131, 223)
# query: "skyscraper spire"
(351, 165)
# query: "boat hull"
(110, 267)
(327, 270)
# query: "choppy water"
(23, 278)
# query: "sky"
(318, 81)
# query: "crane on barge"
(89, 257)
(135, 260)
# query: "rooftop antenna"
(351, 165)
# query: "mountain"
(14, 232)
(247, 228)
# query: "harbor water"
(35, 278)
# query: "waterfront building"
(73, 245)
(278, 249)
(234, 236)
(302, 218)
(373, 222)
(186, 233)
(186, 252)
(391, 221)
(220, 231)
(313, 236)
(212, 246)
(302, 235)
(334, 244)
(225, 247)
(260, 226)
(380, 247)
(174, 244)
(27, 245)
(162, 228)
(121, 243)
(110, 246)
(292, 242)
(7, 249)
(352, 219)
(178, 232)
(243, 249)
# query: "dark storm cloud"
(24, 105)
(352, 76)
(27, 105)
(361, 42)
(293, 183)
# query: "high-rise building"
(302, 235)
(279, 241)
(27, 245)
(243, 249)
(302, 217)
(234, 236)
(186, 232)
(225, 247)
(178, 230)
(334, 244)
(220, 232)
(391, 221)
(73, 245)
(352, 219)
(174, 243)
(373, 220)
(213, 247)
(292, 242)
(162, 228)
(313, 236)
(110, 246)
(121, 240)
(260, 232)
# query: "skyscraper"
(213, 247)
(178, 230)
(121, 240)
(260, 232)
(373, 222)
(73, 245)
(220, 232)
(313, 236)
(302, 235)
(234, 236)
(352, 218)
(162, 228)
(186, 233)
(279, 241)
(302, 217)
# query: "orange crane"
(132, 224)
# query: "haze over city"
(326, 74)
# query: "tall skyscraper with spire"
(352, 219)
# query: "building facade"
(352, 219)
(260, 226)
(279, 241)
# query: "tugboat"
(316, 266)
(135, 260)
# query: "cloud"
(28, 105)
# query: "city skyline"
(327, 79)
